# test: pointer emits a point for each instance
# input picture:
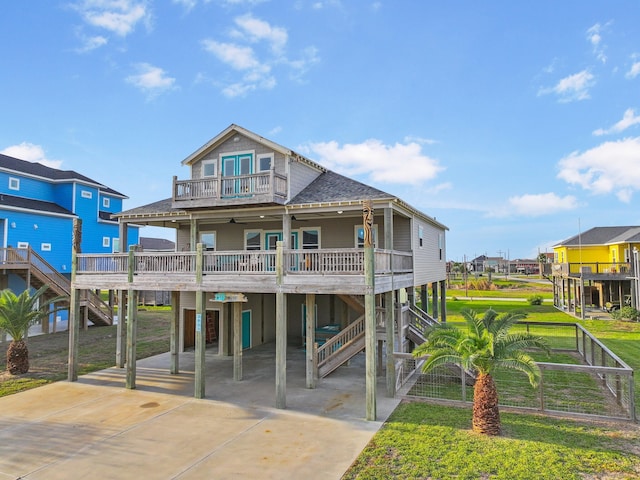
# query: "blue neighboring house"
(37, 207)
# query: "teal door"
(237, 166)
(270, 240)
(246, 329)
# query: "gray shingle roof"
(30, 204)
(333, 187)
(604, 236)
(39, 170)
(149, 243)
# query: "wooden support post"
(85, 315)
(281, 331)
(121, 329)
(201, 323)
(175, 332)
(369, 312)
(443, 301)
(132, 329)
(74, 304)
(389, 323)
(310, 339)
(237, 341)
(74, 333)
(193, 234)
(434, 296)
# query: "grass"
(423, 441)
(48, 354)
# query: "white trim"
(209, 161)
(14, 183)
(88, 194)
(106, 202)
(45, 247)
(355, 235)
(301, 236)
(215, 239)
(106, 242)
(39, 212)
(260, 156)
(23, 245)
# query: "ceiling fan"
(294, 219)
(233, 220)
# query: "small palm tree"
(17, 314)
(484, 347)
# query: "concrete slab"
(96, 429)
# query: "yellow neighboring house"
(595, 270)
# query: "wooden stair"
(354, 302)
(37, 272)
(341, 348)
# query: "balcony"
(592, 270)
(258, 188)
(304, 271)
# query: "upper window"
(209, 168)
(252, 241)
(14, 183)
(310, 239)
(106, 241)
(106, 202)
(420, 235)
(208, 240)
(45, 247)
(23, 244)
(86, 194)
(441, 245)
(360, 236)
(264, 162)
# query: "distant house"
(596, 269)
(524, 266)
(38, 205)
(155, 297)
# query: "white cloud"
(399, 163)
(91, 43)
(420, 140)
(595, 38)
(573, 87)
(117, 16)
(628, 120)
(31, 153)
(257, 49)
(634, 71)
(535, 205)
(187, 4)
(612, 167)
(151, 80)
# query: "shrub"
(535, 300)
(626, 313)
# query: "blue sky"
(516, 124)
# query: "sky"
(515, 124)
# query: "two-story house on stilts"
(271, 249)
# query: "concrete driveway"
(96, 429)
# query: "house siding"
(300, 176)
(429, 264)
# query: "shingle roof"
(333, 187)
(149, 243)
(39, 170)
(30, 204)
(604, 236)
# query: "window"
(360, 236)
(208, 240)
(441, 244)
(420, 235)
(252, 240)
(14, 183)
(106, 241)
(23, 244)
(264, 162)
(106, 202)
(45, 247)
(310, 239)
(86, 194)
(209, 168)
(115, 245)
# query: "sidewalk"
(96, 429)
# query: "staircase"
(341, 347)
(36, 272)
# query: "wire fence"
(585, 378)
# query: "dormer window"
(209, 168)
(264, 162)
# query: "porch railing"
(269, 183)
(588, 268)
(310, 262)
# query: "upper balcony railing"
(591, 268)
(347, 261)
(253, 188)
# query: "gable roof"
(333, 187)
(236, 129)
(34, 169)
(604, 236)
(11, 202)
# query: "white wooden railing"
(219, 187)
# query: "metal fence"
(591, 380)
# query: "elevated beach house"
(273, 248)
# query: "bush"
(626, 313)
(535, 300)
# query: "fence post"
(632, 398)
(463, 377)
(541, 390)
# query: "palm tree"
(17, 314)
(484, 347)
